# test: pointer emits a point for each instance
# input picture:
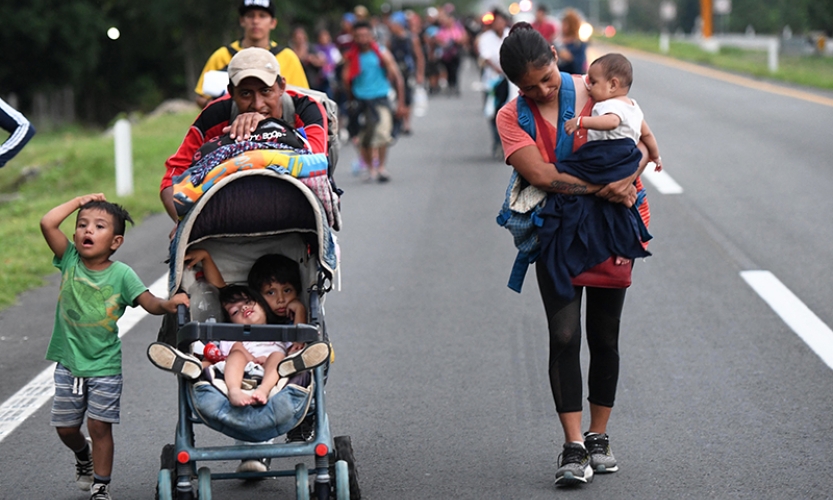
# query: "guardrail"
(771, 44)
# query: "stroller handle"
(181, 315)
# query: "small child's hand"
(295, 347)
(571, 125)
(83, 200)
(658, 162)
(180, 298)
(195, 256)
(296, 311)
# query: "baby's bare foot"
(240, 398)
(261, 396)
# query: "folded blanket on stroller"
(286, 407)
(226, 160)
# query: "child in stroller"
(278, 278)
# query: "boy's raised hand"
(50, 224)
(83, 200)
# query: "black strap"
(277, 49)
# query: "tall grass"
(64, 164)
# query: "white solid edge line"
(795, 314)
(661, 180)
(15, 410)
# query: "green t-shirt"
(85, 338)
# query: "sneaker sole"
(169, 359)
(601, 469)
(570, 479)
(313, 355)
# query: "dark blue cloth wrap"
(580, 232)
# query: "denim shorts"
(99, 397)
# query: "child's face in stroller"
(245, 312)
(278, 296)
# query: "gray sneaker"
(573, 465)
(100, 492)
(84, 470)
(601, 458)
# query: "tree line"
(57, 53)
(57, 58)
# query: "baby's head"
(278, 280)
(243, 306)
(612, 66)
(99, 228)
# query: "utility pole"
(706, 15)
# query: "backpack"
(523, 202)
(331, 112)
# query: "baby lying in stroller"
(271, 298)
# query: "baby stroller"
(243, 216)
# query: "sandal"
(312, 356)
(167, 358)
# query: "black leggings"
(604, 310)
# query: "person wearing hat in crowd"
(256, 86)
(368, 74)
(257, 18)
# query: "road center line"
(15, 410)
(661, 180)
(795, 314)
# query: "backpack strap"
(274, 49)
(530, 119)
(566, 111)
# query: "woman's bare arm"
(529, 164)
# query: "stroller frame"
(334, 464)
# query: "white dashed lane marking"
(15, 410)
(804, 322)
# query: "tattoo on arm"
(568, 188)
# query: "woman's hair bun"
(520, 25)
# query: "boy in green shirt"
(85, 343)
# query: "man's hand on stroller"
(243, 126)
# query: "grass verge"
(57, 166)
(811, 71)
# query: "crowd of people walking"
(404, 58)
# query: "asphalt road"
(440, 374)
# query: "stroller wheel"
(204, 483)
(163, 485)
(343, 451)
(342, 481)
(301, 482)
